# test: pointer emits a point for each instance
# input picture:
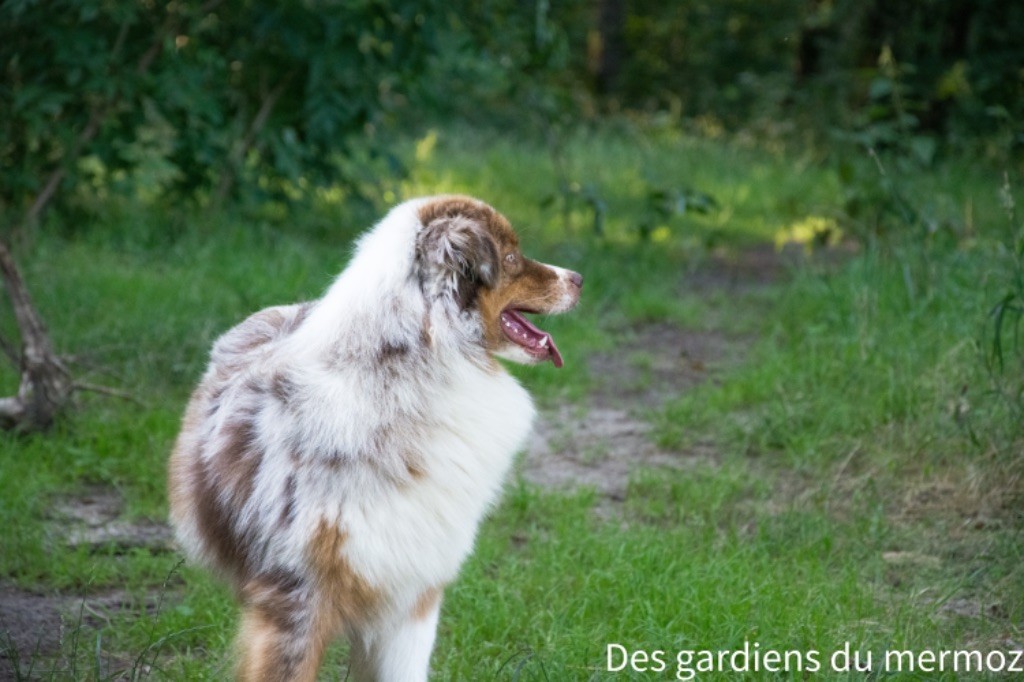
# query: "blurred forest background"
(257, 103)
(226, 99)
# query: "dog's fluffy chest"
(413, 526)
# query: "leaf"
(998, 322)
(846, 172)
(880, 88)
(700, 201)
(923, 147)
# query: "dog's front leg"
(398, 651)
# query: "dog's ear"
(457, 256)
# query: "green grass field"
(860, 473)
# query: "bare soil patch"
(45, 631)
(600, 444)
(31, 625)
(657, 362)
(92, 519)
(598, 449)
(760, 266)
(45, 626)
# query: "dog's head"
(468, 256)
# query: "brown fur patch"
(232, 351)
(280, 596)
(457, 205)
(179, 469)
(533, 288)
(255, 386)
(283, 387)
(351, 597)
(426, 332)
(275, 648)
(391, 351)
(523, 284)
(257, 330)
(414, 465)
(288, 510)
(477, 235)
(220, 489)
(285, 629)
(217, 523)
(238, 462)
(424, 606)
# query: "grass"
(866, 483)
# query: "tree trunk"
(236, 159)
(45, 388)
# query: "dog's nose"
(577, 279)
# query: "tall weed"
(1005, 350)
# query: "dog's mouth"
(529, 337)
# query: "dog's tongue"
(536, 341)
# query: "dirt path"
(41, 625)
(599, 443)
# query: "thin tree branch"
(99, 112)
(259, 121)
(107, 390)
(53, 183)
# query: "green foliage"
(708, 57)
(199, 99)
(266, 100)
(911, 75)
(530, 74)
(664, 204)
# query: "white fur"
(401, 652)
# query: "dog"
(335, 461)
